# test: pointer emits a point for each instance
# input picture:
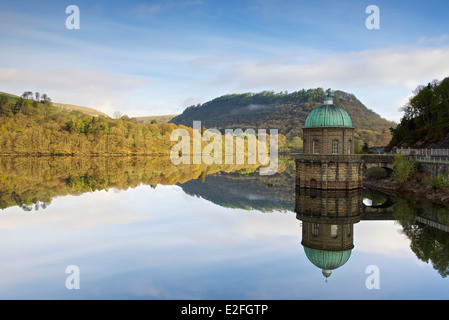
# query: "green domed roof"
(328, 115)
(327, 260)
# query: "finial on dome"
(326, 273)
(329, 100)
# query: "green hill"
(86, 110)
(158, 119)
(286, 112)
(69, 107)
(11, 97)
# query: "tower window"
(335, 147)
(315, 229)
(316, 147)
(334, 231)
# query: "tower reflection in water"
(328, 219)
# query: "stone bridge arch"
(378, 161)
(382, 206)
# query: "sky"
(158, 57)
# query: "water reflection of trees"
(429, 243)
(32, 182)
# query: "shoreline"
(415, 190)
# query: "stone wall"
(329, 172)
(434, 169)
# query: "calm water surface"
(143, 229)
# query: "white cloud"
(74, 78)
(392, 243)
(364, 69)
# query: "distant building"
(328, 161)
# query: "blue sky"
(159, 57)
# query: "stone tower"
(328, 161)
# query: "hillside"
(11, 97)
(158, 119)
(286, 112)
(86, 110)
(31, 127)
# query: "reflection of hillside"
(30, 180)
(248, 191)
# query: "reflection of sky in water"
(163, 244)
(367, 202)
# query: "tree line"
(426, 115)
(36, 96)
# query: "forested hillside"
(35, 126)
(426, 118)
(286, 112)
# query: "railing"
(427, 155)
(433, 159)
(424, 152)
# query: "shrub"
(441, 182)
(404, 168)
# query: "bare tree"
(117, 115)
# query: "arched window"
(335, 147)
(349, 146)
(316, 147)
